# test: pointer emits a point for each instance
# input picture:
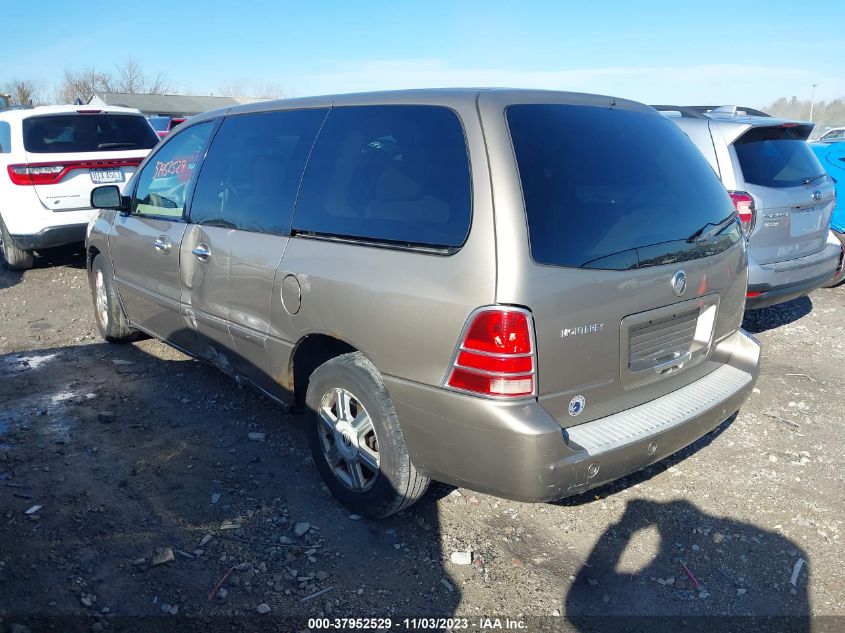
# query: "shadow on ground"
(757, 321)
(72, 256)
(705, 567)
(132, 457)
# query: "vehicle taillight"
(35, 174)
(496, 355)
(52, 173)
(744, 205)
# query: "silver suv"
(527, 293)
(781, 193)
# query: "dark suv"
(527, 293)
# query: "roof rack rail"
(684, 111)
(698, 112)
(731, 109)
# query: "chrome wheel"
(101, 299)
(348, 440)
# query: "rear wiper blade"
(115, 145)
(812, 179)
(717, 228)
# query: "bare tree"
(240, 88)
(81, 84)
(23, 91)
(132, 79)
(232, 88)
(270, 90)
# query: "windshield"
(56, 133)
(616, 189)
(776, 157)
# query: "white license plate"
(106, 175)
(804, 222)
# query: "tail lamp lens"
(496, 355)
(744, 205)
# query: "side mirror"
(108, 197)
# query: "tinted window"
(253, 168)
(388, 173)
(86, 133)
(616, 189)
(5, 138)
(776, 157)
(164, 181)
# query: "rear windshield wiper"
(812, 179)
(115, 145)
(718, 227)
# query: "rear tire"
(107, 310)
(14, 258)
(355, 439)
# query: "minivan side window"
(253, 169)
(390, 173)
(5, 138)
(163, 184)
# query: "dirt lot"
(137, 454)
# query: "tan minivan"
(527, 293)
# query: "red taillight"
(35, 174)
(744, 205)
(88, 111)
(496, 356)
(51, 173)
(752, 293)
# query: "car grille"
(656, 341)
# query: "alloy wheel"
(348, 439)
(101, 299)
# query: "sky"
(747, 52)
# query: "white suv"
(50, 159)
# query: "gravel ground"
(150, 495)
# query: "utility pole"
(812, 101)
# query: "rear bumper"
(52, 236)
(519, 451)
(783, 281)
(840, 271)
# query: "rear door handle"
(202, 252)
(162, 245)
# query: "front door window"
(163, 184)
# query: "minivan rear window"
(393, 174)
(777, 157)
(60, 133)
(616, 189)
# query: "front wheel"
(107, 311)
(14, 258)
(355, 439)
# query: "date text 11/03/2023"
(425, 623)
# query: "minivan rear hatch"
(68, 154)
(636, 265)
(793, 195)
